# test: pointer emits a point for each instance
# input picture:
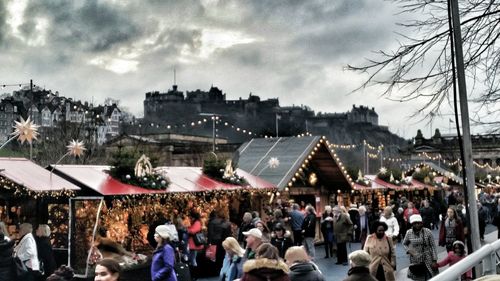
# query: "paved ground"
(331, 271)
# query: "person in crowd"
(453, 257)
(107, 270)
(427, 213)
(392, 223)
(496, 217)
(401, 223)
(63, 273)
(255, 218)
(301, 267)
(158, 219)
(162, 265)
(373, 215)
(110, 248)
(327, 231)
(452, 229)
(218, 230)
(281, 239)
(382, 252)
(309, 231)
(276, 218)
(6, 260)
(362, 226)
(452, 199)
(359, 260)
(266, 234)
(420, 246)
(232, 267)
(296, 220)
(182, 245)
(342, 228)
(26, 251)
(254, 240)
(44, 247)
(266, 266)
(408, 212)
(245, 226)
(193, 247)
(353, 213)
(482, 213)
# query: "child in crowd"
(455, 256)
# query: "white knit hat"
(360, 258)
(415, 218)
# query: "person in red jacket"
(452, 229)
(192, 230)
(457, 254)
(409, 211)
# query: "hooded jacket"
(305, 271)
(6, 249)
(265, 270)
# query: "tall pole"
(364, 157)
(464, 110)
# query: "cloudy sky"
(295, 50)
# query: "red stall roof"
(36, 178)
(182, 179)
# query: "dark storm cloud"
(93, 26)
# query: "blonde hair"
(232, 244)
(296, 254)
(44, 230)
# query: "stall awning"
(32, 176)
(182, 179)
(378, 183)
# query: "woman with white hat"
(162, 266)
(420, 246)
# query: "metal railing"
(487, 255)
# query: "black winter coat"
(305, 271)
(6, 261)
(309, 226)
(359, 273)
(46, 255)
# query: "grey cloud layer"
(297, 44)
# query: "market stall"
(127, 210)
(30, 193)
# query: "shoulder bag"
(20, 268)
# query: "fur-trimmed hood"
(265, 264)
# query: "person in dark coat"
(301, 268)
(281, 239)
(327, 231)
(44, 247)
(6, 260)
(267, 266)
(309, 231)
(296, 220)
(360, 260)
(218, 230)
(162, 265)
(427, 213)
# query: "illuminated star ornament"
(383, 170)
(25, 130)
(274, 162)
(76, 148)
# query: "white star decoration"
(274, 162)
(25, 130)
(76, 148)
(383, 170)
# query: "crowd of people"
(278, 246)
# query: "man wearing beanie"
(359, 260)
